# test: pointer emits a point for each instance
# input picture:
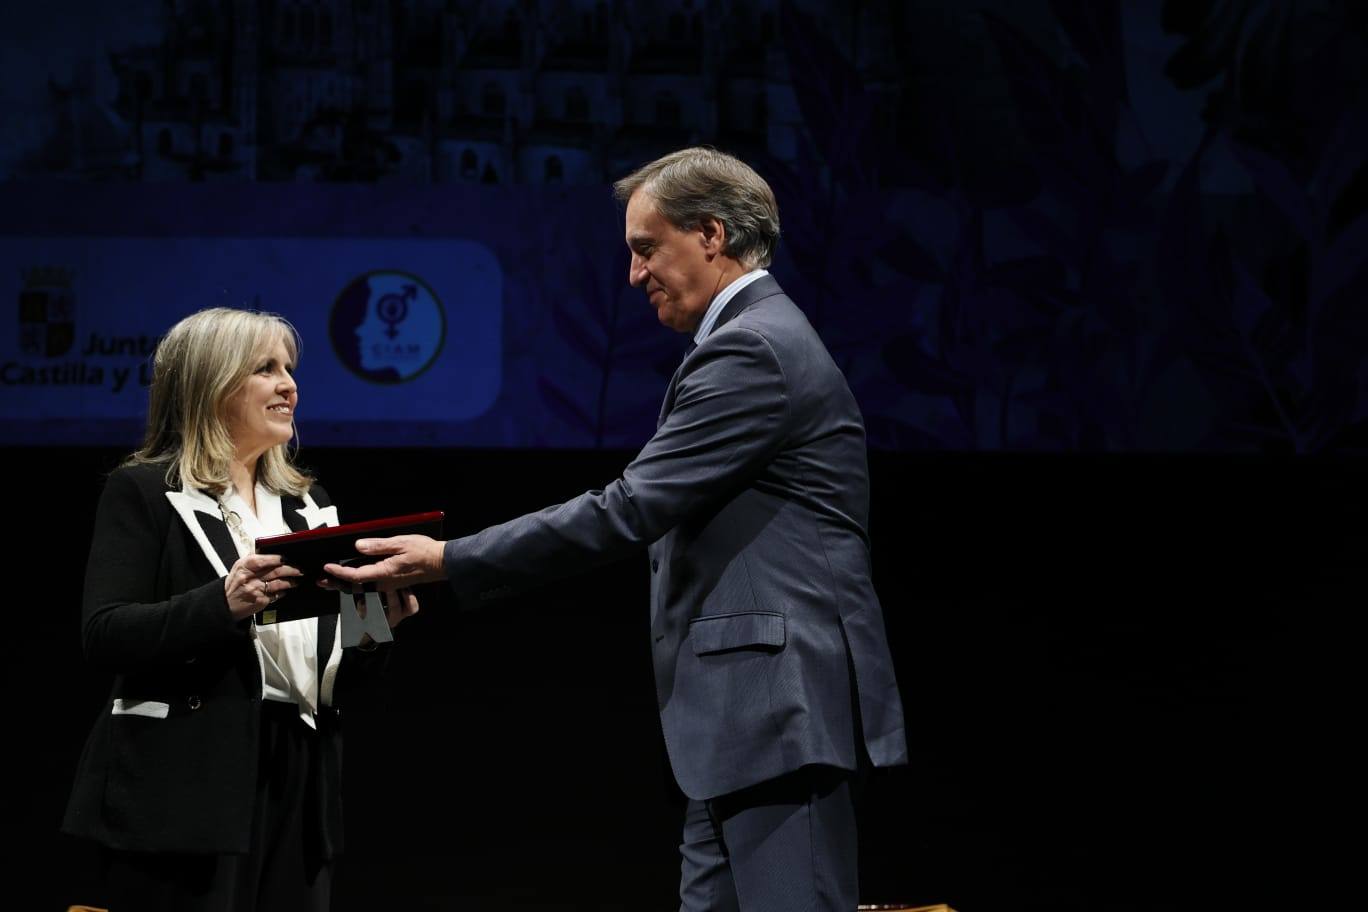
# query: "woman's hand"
(255, 581)
(399, 604)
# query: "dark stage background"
(1124, 677)
(1094, 270)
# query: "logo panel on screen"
(387, 326)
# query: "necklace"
(233, 521)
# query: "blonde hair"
(199, 364)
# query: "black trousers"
(282, 871)
(786, 845)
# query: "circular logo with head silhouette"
(387, 326)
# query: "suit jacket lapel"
(761, 288)
(220, 537)
(668, 402)
(200, 514)
(289, 511)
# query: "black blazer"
(752, 498)
(155, 614)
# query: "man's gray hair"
(693, 184)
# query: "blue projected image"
(1052, 226)
(415, 325)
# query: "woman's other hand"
(399, 604)
(255, 581)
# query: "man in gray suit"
(773, 673)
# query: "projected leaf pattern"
(1113, 304)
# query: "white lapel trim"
(187, 502)
(316, 516)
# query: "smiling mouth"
(279, 409)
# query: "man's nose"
(636, 273)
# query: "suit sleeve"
(728, 420)
(124, 626)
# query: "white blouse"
(288, 651)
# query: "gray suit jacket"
(753, 497)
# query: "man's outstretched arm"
(728, 420)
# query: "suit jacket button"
(193, 702)
(655, 565)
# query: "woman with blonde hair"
(211, 780)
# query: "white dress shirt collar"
(723, 298)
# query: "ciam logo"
(387, 326)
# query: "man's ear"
(714, 235)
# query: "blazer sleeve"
(729, 419)
(125, 626)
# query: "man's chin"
(673, 320)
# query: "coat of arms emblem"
(47, 311)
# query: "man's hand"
(408, 561)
